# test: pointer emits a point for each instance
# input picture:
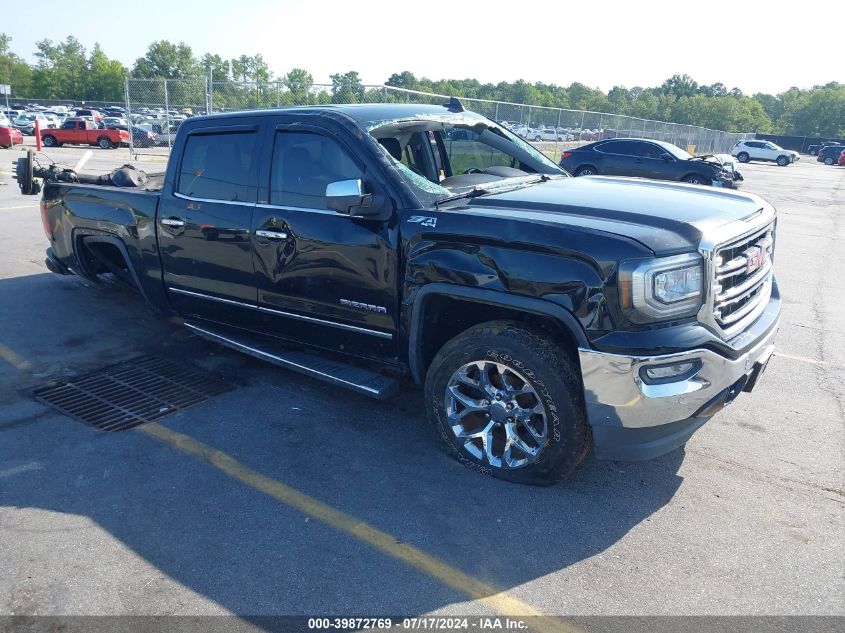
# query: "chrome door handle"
(272, 235)
(173, 222)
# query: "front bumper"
(634, 420)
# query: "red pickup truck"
(84, 132)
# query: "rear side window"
(617, 147)
(218, 167)
(304, 163)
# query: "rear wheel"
(506, 402)
(743, 157)
(104, 142)
(697, 179)
(828, 160)
(50, 141)
(586, 170)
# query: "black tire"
(550, 373)
(104, 142)
(697, 179)
(828, 160)
(50, 141)
(536, 138)
(586, 170)
(783, 161)
(743, 157)
(813, 152)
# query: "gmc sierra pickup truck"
(370, 245)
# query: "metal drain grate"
(140, 390)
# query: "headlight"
(661, 288)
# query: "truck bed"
(79, 215)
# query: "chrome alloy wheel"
(496, 414)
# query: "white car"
(545, 134)
(26, 122)
(745, 151)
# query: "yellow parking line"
(13, 358)
(803, 359)
(25, 206)
(384, 542)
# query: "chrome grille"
(743, 276)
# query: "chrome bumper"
(617, 396)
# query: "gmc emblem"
(755, 258)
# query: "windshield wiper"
(477, 191)
(472, 193)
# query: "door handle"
(271, 235)
(173, 222)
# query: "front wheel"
(697, 179)
(783, 161)
(743, 157)
(507, 402)
(828, 161)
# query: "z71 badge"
(423, 221)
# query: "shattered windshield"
(446, 155)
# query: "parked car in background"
(10, 136)
(95, 114)
(646, 159)
(746, 151)
(114, 122)
(142, 136)
(546, 134)
(79, 131)
(25, 122)
(829, 154)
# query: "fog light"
(669, 373)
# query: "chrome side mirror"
(347, 196)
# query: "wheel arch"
(434, 320)
(583, 165)
(99, 243)
(694, 173)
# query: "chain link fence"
(156, 107)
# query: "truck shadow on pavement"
(186, 525)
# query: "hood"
(666, 217)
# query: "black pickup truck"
(371, 245)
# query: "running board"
(360, 380)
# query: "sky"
(755, 45)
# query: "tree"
(347, 87)
(167, 60)
(61, 68)
(680, 86)
(104, 79)
(405, 79)
(298, 82)
(13, 69)
(219, 66)
(819, 112)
